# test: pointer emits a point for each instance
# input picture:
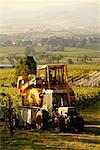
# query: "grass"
(37, 140)
(92, 114)
(40, 140)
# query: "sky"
(20, 15)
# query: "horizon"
(21, 16)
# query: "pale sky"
(20, 14)
(38, 4)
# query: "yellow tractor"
(48, 91)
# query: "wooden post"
(10, 116)
(9, 105)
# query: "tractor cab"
(53, 75)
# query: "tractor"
(47, 98)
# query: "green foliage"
(26, 64)
(92, 113)
(81, 69)
(87, 92)
(7, 76)
(13, 92)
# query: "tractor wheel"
(70, 127)
(80, 124)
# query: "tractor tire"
(80, 124)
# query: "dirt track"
(92, 126)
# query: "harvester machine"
(49, 94)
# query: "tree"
(26, 64)
(70, 61)
(85, 58)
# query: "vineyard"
(85, 77)
(85, 81)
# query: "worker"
(45, 117)
(39, 123)
(45, 114)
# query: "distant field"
(4, 51)
(92, 53)
(68, 51)
(83, 67)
